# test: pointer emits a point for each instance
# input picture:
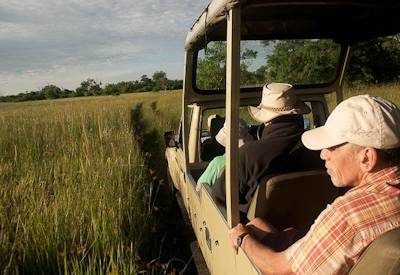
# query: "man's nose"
(324, 154)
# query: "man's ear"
(369, 159)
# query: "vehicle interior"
(279, 196)
(229, 53)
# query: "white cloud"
(66, 41)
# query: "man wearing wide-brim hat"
(281, 114)
(278, 99)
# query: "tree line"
(309, 61)
(91, 87)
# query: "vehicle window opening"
(266, 61)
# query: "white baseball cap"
(363, 120)
(244, 135)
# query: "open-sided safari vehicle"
(235, 47)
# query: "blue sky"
(64, 42)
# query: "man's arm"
(266, 259)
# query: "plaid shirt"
(346, 227)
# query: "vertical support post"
(187, 82)
(232, 115)
(345, 64)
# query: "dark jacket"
(262, 157)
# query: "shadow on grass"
(169, 249)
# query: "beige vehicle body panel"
(232, 20)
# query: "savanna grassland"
(81, 183)
(388, 91)
(76, 194)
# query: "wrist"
(244, 239)
(240, 239)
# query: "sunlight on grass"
(387, 91)
(74, 185)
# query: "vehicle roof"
(345, 21)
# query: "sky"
(64, 42)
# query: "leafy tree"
(51, 92)
(131, 87)
(302, 61)
(247, 77)
(160, 81)
(175, 84)
(146, 84)
(89, 87)
(375, 61)
(305, 61)
(211, 70)
(67, 93)
(112, 89)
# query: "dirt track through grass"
(171, 238)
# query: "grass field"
(78, 187)
(75, 192)
(388, 91)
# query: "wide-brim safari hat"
(278, 99)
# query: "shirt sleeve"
(327, 246)
(212, 171)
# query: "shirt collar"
(389, 175)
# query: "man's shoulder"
(363, 204)
(353, 198)
(351, 203)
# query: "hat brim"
(320, 138)
(264, 115)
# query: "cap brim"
(221, 137)
(320, 138)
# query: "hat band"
(278, 109)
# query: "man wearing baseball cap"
(217, 166)
(360, 144)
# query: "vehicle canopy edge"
(214, 13)
(338, 19)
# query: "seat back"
(382, 256)
(293, 199)
(210, 148)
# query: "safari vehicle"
(220, 78)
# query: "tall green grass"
(74, 186)
(388, 91)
